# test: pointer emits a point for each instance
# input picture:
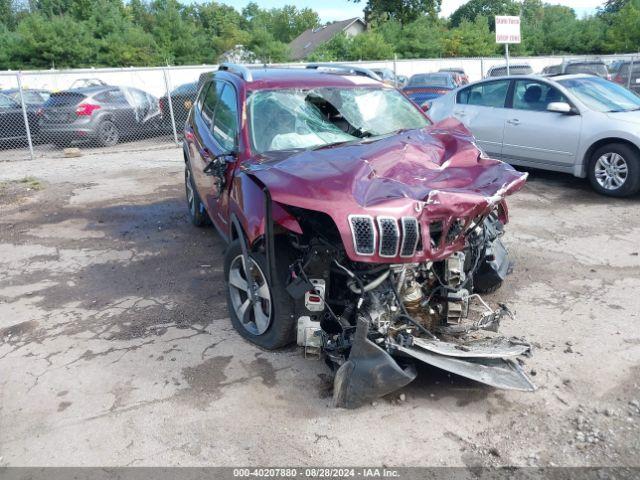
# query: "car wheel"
(197, 213)
(614, 170)
(268, 320)
(107, 134)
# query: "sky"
(330, 10)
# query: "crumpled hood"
(412, 165)
(437, 172)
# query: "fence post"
(24, 114)
(630, 74)
(481, 68)
(173, 120)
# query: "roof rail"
(240, 70)
(345, 69)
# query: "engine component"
(314, 299)
(309, 335)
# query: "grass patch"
(31, 182)
(28, 183)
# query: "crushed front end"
(394, 248)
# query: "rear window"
(64, 98)
(599, 69)
(6, 102)
(431, 80)
(513, 70)
(624, 70)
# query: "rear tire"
(614, 170)
(197, 213)
(272, 302)
(107, 134)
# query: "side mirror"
(560, 107)
(425, 106)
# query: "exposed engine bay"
(372, 322)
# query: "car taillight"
(618, 79)
(86, 109)
(161, 104)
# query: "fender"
(249, 206)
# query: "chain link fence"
(42, 113)
(97, 110)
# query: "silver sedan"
(578, 124)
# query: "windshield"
(602, 95)
(310, 118)
(431, 80)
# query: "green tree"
(624, 32)
(484, 8)
(559, 26)
(404, 11)
(423, 38)
(470, 39)
(369, 46)
(59, 41)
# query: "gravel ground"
(116, 348)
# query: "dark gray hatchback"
(102, 114)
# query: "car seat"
(532, 97)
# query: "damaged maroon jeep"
(354, 226)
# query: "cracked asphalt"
(116, 348)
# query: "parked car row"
(91, 111)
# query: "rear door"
(535, 136)
(481, 108)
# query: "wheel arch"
(601, 143)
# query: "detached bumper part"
(369, 373)
(502, 373)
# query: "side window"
(209, 101)
(488, 94)
(532, 95)
(111, 96)
(225, 123)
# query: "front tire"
(614, 170)
(268, 321)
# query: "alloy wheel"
(611, 171)
(254, 315)
(109, 133)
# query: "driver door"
(534, 136)
(215, 137)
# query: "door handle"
(459, 113)
(513, 121)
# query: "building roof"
(309, 40)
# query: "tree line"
(115, 33)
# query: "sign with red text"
(507, 29)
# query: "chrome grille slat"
(410, 236)
(363, 232)
(389, 236)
